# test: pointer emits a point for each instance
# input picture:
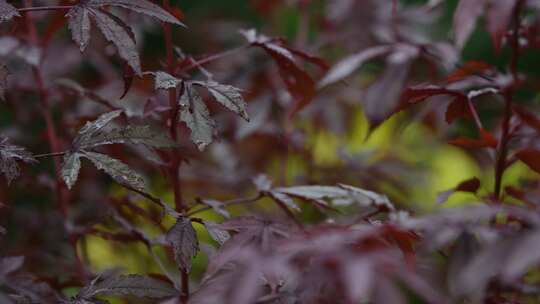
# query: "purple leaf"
(9, 156)
(498, 19)
(219, 235)
(523, 257)
(195, 114)
(183, 239)
(116, 169)
(7, 11)
(80, 26)
(217, 206)
(118, 33)
(348, 65)
(228, 96)
(129, 285)
(465, 17)
(383, 96)
(140, 6)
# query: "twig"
(45, 8)
(175, 157)
(54, 145)
(56, 154)
(155, 200)
(502, 151)
(227, 204)
(199, 63)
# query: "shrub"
(220, 136)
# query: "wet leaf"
(130, 285)
(7, 11)
(142, 7)
(70, 168)
(112, 27)
(284, 199)
(118, 33)
(165, 81)
(340, 195)
(195, 114)
(183, 239)
(93, 127)
(219, 235)
(116, 169)
(145, 135)
(217, 206)
(366, 198)
(9, 156)
(79, 26)
(229, 96)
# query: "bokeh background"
(406, 157)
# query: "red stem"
(54, 144)
(474, 113)
(175, 159)
(196, 64)
(172, 117)
(502, 151)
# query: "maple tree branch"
(233, 202)
(502, 151)
(474, 113)
(175, 158)
(54, 145)
(154, 200)
(172, 117)
(45, 8)
(55, 154)
(289, 214)
(221, 55)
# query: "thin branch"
(175, 155)
(289, 214)
(199, 63)
(54, 145)
(45, 8)
(502, 151)
(233, 202)
(46, 155)
(474, 113)
(155, 200)
(172, 118)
